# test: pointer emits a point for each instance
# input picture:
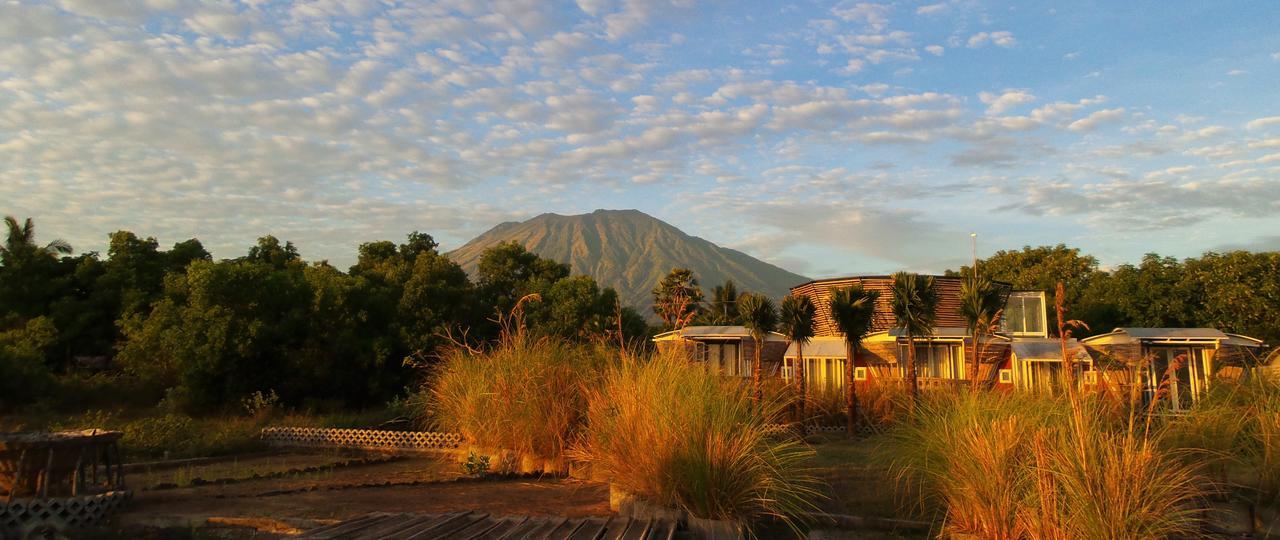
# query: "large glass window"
(935, 360)
(722, 356)
(1024, 314)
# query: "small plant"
(259, 404)
(476, 465)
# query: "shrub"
(524, 395)
(675, 434)
(1027, 466)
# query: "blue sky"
(829, 138)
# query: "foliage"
(853, 310)
(915, 310)
(475, 465)
(23, 375)
(760, 318)
(981, 303)
(524, 394)
(1029, 466)
(722, 310)
(677, 300)
(675, 434)
(796, 322)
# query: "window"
(860, 374)
(1091, 377)
(722, 356)
(935, 360)
(1006, 376)
(1024, 314)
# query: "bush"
(1028, 466)
(675, 434)
(524, 395)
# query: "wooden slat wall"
(820, 293)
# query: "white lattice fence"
(360, 438)
(61, 513)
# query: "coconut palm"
(760, 318)
(981, 303)
(20, 243)
(915, 310)
(797, 324)
(853, 310)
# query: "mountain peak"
(630, 251)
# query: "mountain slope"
(630, 251)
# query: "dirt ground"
(416, 484)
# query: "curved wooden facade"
(820, 291)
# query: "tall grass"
(526, 395)
(675, 434)
(1030, 466)
(880, 404)
(1235, 430)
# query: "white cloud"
(935, 50)
(1261, 123)
(1096, 119)
(1000, 39)
(999, 103)
(931, 9)
(1237, 73)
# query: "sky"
(828, 138)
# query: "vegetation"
(677, 300)
(526, 395)
(675, 434)
(915, 309)
(981, 303)
(1237, 291)
(1032, 466)
(796, 322)
(201, 335)
(853, 309)
(760, 318)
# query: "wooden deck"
(482, 526)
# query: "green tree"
(723, 307)
(23, 375)
(981, 303)
(678, 300)
(915, 310)
(28, 271)
(1040, 269)
(797, 324)
(760, 318)
(269, 251)
(508, 272)
(184, 253)
(853, 309)
(436, 300)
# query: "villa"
(1021, 356)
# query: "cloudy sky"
(828, 138)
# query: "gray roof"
(1176, 335)
(820, 347)
(1046, 349)
(939, 332)
(713, 332)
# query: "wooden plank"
(638, 530)
(664, 530)
(616, 527)
(591, 529)
(445, 529)
(501, 528)
(477, 528)
(433, 521)
(525, 528)
(563, 530)
(350, 526)
(392, 527)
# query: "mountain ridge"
(630, 251)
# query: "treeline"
(1236, 292)
(201, 334)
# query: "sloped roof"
(1183, 335)
(939, 332)
(819, 347)
(714, 332)
(1047, 349)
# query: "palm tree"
(981, 303)
(724, 303)
(853, 310)
(915, 309)
(760, 318)
(20, 243)
(797, 324)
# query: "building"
(729, 350)
(1184, 360)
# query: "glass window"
(935, 360)
(1024, 314)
